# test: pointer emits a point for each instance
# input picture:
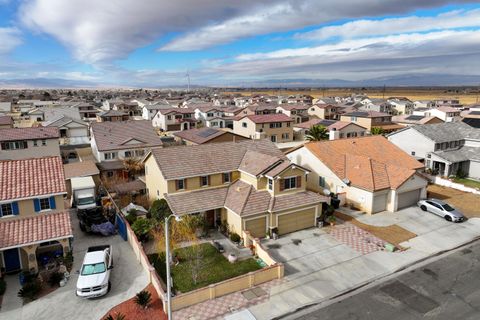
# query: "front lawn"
(210, 267)
(468, 182)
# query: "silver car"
(441, 209)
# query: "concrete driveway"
(127, 279)
(318, 267)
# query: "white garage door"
(408, 199)
(379, 203)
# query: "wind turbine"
(188, 79)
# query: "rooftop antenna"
(188, 79)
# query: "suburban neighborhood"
(239, 160)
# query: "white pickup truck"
(94, 277)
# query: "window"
(6, 210)
(13, 145)
(158, 193)
(181, 184)
(290, 183)
(353, 119)
(244, 124)
(321, 182)
(44, 204)
(275, 125)
(270, 184)
(204, 181)
(285, 136)
(209, 114)
(35, 143)
(109, 174)
(288, 124)
(139, 153)
(169, 117)
(226, 177)
(273, 138)
(341, 135)
(128, 154)
(187, 115)
(110, 155)
(214, 123)
(44, 142)
(412, 153)
(312, 109)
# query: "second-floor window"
(204, 181)
(226, 177)
(270, 184)
(321, 182)
(44, 204)
(180, 184)
(110, 155)
(353, 119)
(209, 114)
(128, 154)
(44, 142)
(244, 124)
(139, 153)
(14, 145)
(275, 125)
(8, 209)
(290, 183)
(169, 117)
(285, 136)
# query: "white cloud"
(9, 39)
(365, 28)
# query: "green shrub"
(234, 237)
(68, 260)
(461, 174)
(131, 218)
(159, 210)
(3, 286)
(142, 228)
(55, 279)
(30, 290)
(143, 299)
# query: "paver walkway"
(356, 238)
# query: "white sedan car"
(441, 209)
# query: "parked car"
(441, 209)
(94, 278)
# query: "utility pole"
(188, 79)
(384, 92)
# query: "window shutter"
(208, 180)
(176, 185)
(52, 203)
(223, 178)
(299, 181)
(15, 208)
(282, 184)
(200, 178)
(36, 205)
(185, 183)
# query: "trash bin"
(335, 203)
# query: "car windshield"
(447, 207)
(86, 200)
(95, 268)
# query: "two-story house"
(35, 228)
(336, 129)
(210, 115)
(206, 135)
(72, 132)
(150, 109)
(373, 174)
(87, 111)
(249, 185)
(174, 119)
(445, 148)
(112, 116)
(112, 142)
(275, 127)
(324, 111)
(260, 108)
(401, 105)
(371, 119)
(24, 143)
(298, 112)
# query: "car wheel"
(109, 286)
(448, 218)
(423, 208)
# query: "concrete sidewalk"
(434, 235)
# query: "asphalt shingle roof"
(448, 131)
(12, 134)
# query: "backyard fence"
(450, 184)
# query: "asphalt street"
(448, 288)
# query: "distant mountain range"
(393, 81)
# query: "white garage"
(379, 203)
(408, 199)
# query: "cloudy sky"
(152, 43)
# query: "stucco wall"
(51, 148)
(411, 140)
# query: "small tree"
(142, 228)
(159, 210)
(133, 166)
(317, 133)
(143, 299)
(377, 131)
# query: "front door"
(210, 218)
(12, 260)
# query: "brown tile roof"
(291, 106)
(117, 135)
(201, 135)
(191, 161)
(6, 120)
(262, 106)
(112, 113)
(177, 110)
(130, 186)
(254, 162)
(294, 200)
(372, 163)
(367, 114)
(11, 134)
(34, 229)
(31, 177)
(314, 122)
(272, 173)
(267, 118)
(339, 125)
(80, 169)
(196, 201)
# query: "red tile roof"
(42, 227)
(11, 134)
(267, 118)
(31, 177)
(6, 120)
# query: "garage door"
(408, 199)
(296, 221)
(257, 227)
(379, 203)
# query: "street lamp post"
(169, 279)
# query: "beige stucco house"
(34, 225)
(24, 143)
(275, 127)
(372, 173)
(250, 185)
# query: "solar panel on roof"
(207, 133)
(414, 117)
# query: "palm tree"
(133, 166)
(317, 133)
(377, 131)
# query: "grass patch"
(393, 234)
(214, 268)
(467, 182)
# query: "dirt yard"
(392, 234)
(468, 203)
